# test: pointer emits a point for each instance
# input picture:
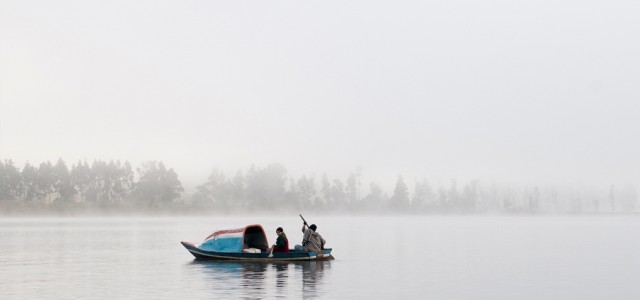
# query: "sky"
(526, 91)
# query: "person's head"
(313, 227)
(279, 231)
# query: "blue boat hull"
(276, 256)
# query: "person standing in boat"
(311, 240)
(282, 243)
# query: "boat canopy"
(236, 240)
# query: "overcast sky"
(501, 90)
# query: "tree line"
(101, 184)
(269, 188)
(115, 186)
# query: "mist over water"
(579, 257)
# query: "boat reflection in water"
(261, 279)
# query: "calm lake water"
(461, 257)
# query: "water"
(559, 257)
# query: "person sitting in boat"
(282, 243)
(311, 240)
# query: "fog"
(502, 96)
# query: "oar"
(303, 220)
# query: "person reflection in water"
(282, 276)
(311, 240)
(312, 278)
(282, 243)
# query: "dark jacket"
(282, 244)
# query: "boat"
(247, 243)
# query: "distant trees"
(469, 198)
(29, 182)
(307, 192)
(220, 192)
(375, 201)
(259, 189)
(423, 197)
(157, 186)
(62, 183)
(82, 180)
(400, 198)
(266, 187)
(101, 184)
(353, 188)
(269, 188)
(114, 185)
(11, 185)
